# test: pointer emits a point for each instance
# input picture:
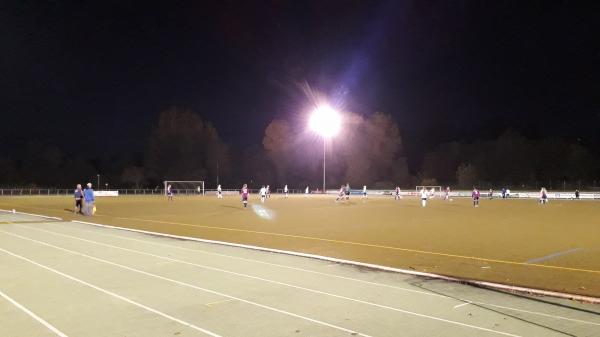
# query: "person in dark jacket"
(78, 195)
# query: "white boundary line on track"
(31, 214)
(483, 284)
(381, 306)
(337, 276)
(72, 278)
(33, 315)
(185, 285)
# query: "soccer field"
(515, 242)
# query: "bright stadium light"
(326, 122)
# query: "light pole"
(325, 121)
(98, 181)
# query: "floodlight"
(325, 121)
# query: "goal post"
(185, 187)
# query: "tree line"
(368, 151)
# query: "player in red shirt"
(244, 192)
(475, 195)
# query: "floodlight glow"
(325, 121)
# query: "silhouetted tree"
(133, 176)
(185, 147)
(466, 175)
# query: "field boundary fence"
(7, 192)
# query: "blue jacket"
(88, 195)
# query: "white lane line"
(461, 305)
(72, 278)
(483, 284)
(189, 285)
(553, 255)
(335, 276)
(273, 282)
(219, 302)
(33, 315)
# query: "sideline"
(483, 284)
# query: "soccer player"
(364, 192)
(543, 196)
(432, 193)
(491, 194)
(398, 196)
(219, 192)
(78, 194)
(268, 191)
(475, 195)
(447, 193)
(577, 194)
(285, 190)
(169, 193)
(341, 193)
(423, 197)
(347, 191)
(263, 194)
(306, 192)
(244, 192)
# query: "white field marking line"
(461, 305)
(553, 255)
(219, 302)
(331, 275)
(484, 284)
(191, 285)
(107, 292)
(31, 214)
(273, 282)
(33, 315)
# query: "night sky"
(93, 76)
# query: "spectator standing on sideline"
(88, 196)
(78, 194)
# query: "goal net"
(431, 190)
(183, 187)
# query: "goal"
(183, 187)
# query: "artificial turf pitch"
(516, 242)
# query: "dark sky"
(95, 75)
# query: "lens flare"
(325, 121)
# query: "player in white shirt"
(543, 196)
(397, 196)
(169, 193)
(364, 191)
(306, 192)
(423, 197)
(285, 190)
(219, 192)
(341, 193)
(447, 193)
(432, 193)
(268, 191)
(263, 194)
